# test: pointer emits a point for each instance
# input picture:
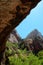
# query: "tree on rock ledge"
(12, 12)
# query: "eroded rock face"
(14, 37)
(12, 12)
(33, 42)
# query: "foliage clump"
(23, 57)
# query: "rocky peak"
(33, 34)
(33, 42)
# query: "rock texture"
(35, 33)
(33, 42)
(12, 12)
(14, 37)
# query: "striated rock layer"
(12, 12)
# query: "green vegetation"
(23, 57)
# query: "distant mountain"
(14, 37)
(33, 42)
(33, 34)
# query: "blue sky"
(32, 21)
